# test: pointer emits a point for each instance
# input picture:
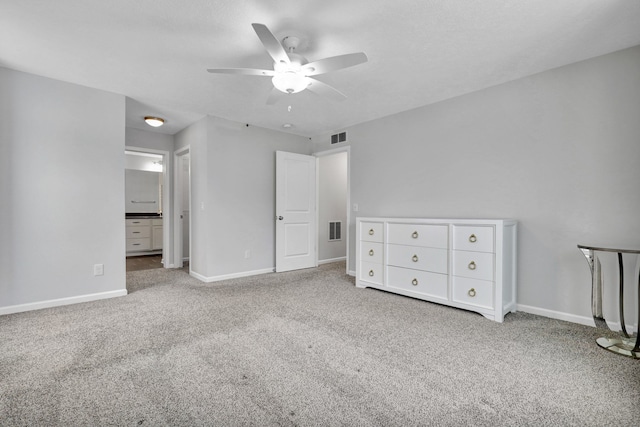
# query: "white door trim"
(330, 152)
(167, 169)
(178, 261)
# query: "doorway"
(182, 209)
(147, 213)
(328, 189)
(333, 205)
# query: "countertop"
(142, 215)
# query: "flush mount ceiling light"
(154, 121)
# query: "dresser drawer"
(138, 232)
(475, 265)
(136, 221)
(371, 272)
(474, 292)
(371, 231)
(433, 236)
(473, 238)
(371, 252)
(422, 282)
(418, 258)
(138, 244)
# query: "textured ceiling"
(420, 51)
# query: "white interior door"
(295, 211)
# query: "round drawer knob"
(371, 273)
(414, 282)
(371, 252)
(371, 232)
(472, 292)
(414, 234)
(472, 265)
(414, 258)
(473, 238)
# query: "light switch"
(98, 269)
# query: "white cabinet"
(156, 234)
(144, 235)
(465, 263)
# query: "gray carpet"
(301, 348)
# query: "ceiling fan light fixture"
(290, 81)
(154, 121)
(292, 72)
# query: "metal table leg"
(626, 345)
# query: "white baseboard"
(588, 321)
(61, 301)
(327, 261)
(352, 273)
(230, 276)
(556, 314)
(198, 276)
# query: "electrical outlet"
(355, 207)
(98, 269)
(247, 254)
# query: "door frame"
(178, 261)
(330, 152)
(166, 200)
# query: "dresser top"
(457, 221)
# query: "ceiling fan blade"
(334, 63)
(324, 89)
(242, 71)
(271, 43)
(274, 96)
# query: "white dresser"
(465, 263)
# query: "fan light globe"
(290, 81)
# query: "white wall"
(142, 192)
(147, 139)
(558, 151)
(233, 175)
(332, 204)
(62, 192)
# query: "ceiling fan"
(292, 72)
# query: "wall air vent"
(335, 231)
(339, 137)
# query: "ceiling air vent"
(339, 137)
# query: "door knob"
(280, 218)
